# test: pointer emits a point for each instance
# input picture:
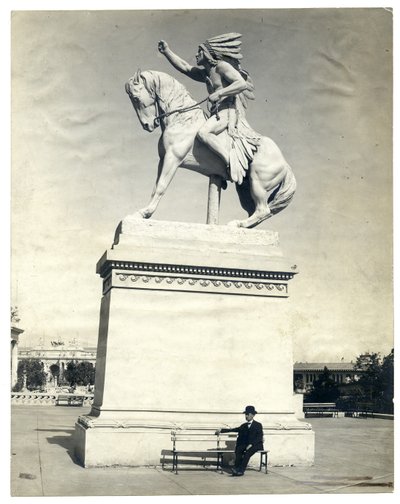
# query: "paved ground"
(352, 456)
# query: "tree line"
(31, 371)
(373, 385)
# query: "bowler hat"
(250, 409)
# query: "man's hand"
(162, 46)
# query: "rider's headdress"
(227, 45)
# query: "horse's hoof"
(141, 214)
(137, 215)
(235, 223)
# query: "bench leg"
(264, 462)
(220, 460)
(175, 462)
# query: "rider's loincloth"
(244, 140)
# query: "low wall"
(43, 398)
(385, 416)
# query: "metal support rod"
(214, 197)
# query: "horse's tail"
(283, 194)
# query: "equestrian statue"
(219, 144)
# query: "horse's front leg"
(166, 171)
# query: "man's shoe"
(239, 473)
(234, 471)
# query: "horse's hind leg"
(243, 191)
(261, 209)
(260, 215)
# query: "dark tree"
(33, 369)
(55, 370)
(81, 373)
(369, 380)
(388, 382)
(71, 373)
(375, 382)
(324, 389)
(85, 372)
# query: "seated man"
(249, 441)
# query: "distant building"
(56, 356)
(309, 372)
(15, 334)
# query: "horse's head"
(143, 99)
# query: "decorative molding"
(175, 269)
(158, 281)
(156, 276)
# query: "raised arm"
(180, 64)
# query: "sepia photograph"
(201, 273)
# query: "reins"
(181, 111)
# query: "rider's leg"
(209, 131)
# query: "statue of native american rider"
(229, 87)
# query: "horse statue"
(160, 100)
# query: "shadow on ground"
(65, 441)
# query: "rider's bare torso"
(224, 84)
(214, 80)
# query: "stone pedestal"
(192, 329)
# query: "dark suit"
(247, 436)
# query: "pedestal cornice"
(196, 258)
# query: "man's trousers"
(243, 456)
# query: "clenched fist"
(162, 46)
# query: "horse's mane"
(170, 93)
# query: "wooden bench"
(320, 409)
(217, 451)
(361, 409)
(70, 400)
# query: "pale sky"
(81, 161)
